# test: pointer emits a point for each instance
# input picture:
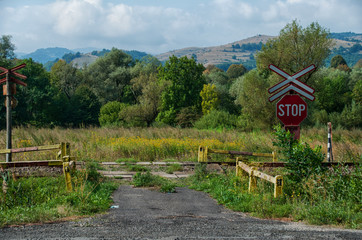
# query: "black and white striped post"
(329, 151)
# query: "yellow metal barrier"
(62, 159)
(254, 174)
(204, 151)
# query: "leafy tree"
(35, 100)
(108, 76)
(64, 77)
(184, 80)
(85, 107)
(149, 99)
(6, 49)
(236, 70)
(296, 48)
(330, 86)
(251, 93)
(211, 68)
(209, 98)
(337, 60)
(110, 114)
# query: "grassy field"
(157, 144)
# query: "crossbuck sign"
(292, 83)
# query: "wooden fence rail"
(254, 174)
(204, 151)
(62, 159)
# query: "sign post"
(291, 109)
(10, 91)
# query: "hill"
(346, 44)
(44, 55)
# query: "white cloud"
(162, 25)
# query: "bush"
(110, 114)
(302, 161)
(217, 120)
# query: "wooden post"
(237, 168)
(278, 186)
(252, 180)
(65, 157)
(275, 158)
(202, 155)
(8, 118)
(66, 170)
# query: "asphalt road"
(187, 214)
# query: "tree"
(236, 70)
(35, 100)
(6, 48)
(64, 77)
(110, 114)
(296, 48)
(85, 107)
(251, 93)
(209, 98)
(184, 81)
(109, 75)
(337, 60)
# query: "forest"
(117, 90)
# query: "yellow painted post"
(65, 156)
(66, 170)
(278, 186)
(237, 168)
(202, 156)
(252, 180)
(275, 158)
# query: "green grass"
(173, 168)
(136, 168)
(333, 198)
(148, 180)
(42, 199)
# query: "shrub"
(302, 161)
(217, 119)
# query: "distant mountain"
(347, 44)
(44, 55)
(243, 51)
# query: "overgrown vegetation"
(148, 180)
(44, 199)
(318, 196)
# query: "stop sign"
(291, 110)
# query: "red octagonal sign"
(291, 110)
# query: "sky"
(158, 26)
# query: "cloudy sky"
(157, 26)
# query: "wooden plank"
(53, 163)
(245, 167)
(264, 176)
(263, 154)
(30, 149)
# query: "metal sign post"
(9, 80)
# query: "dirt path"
(187, 214)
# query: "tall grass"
(35, 199)
(333, 198)
(147, 144)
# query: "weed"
(173, 168)
(148, 180)
(136, 168)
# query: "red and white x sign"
(293, 82)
